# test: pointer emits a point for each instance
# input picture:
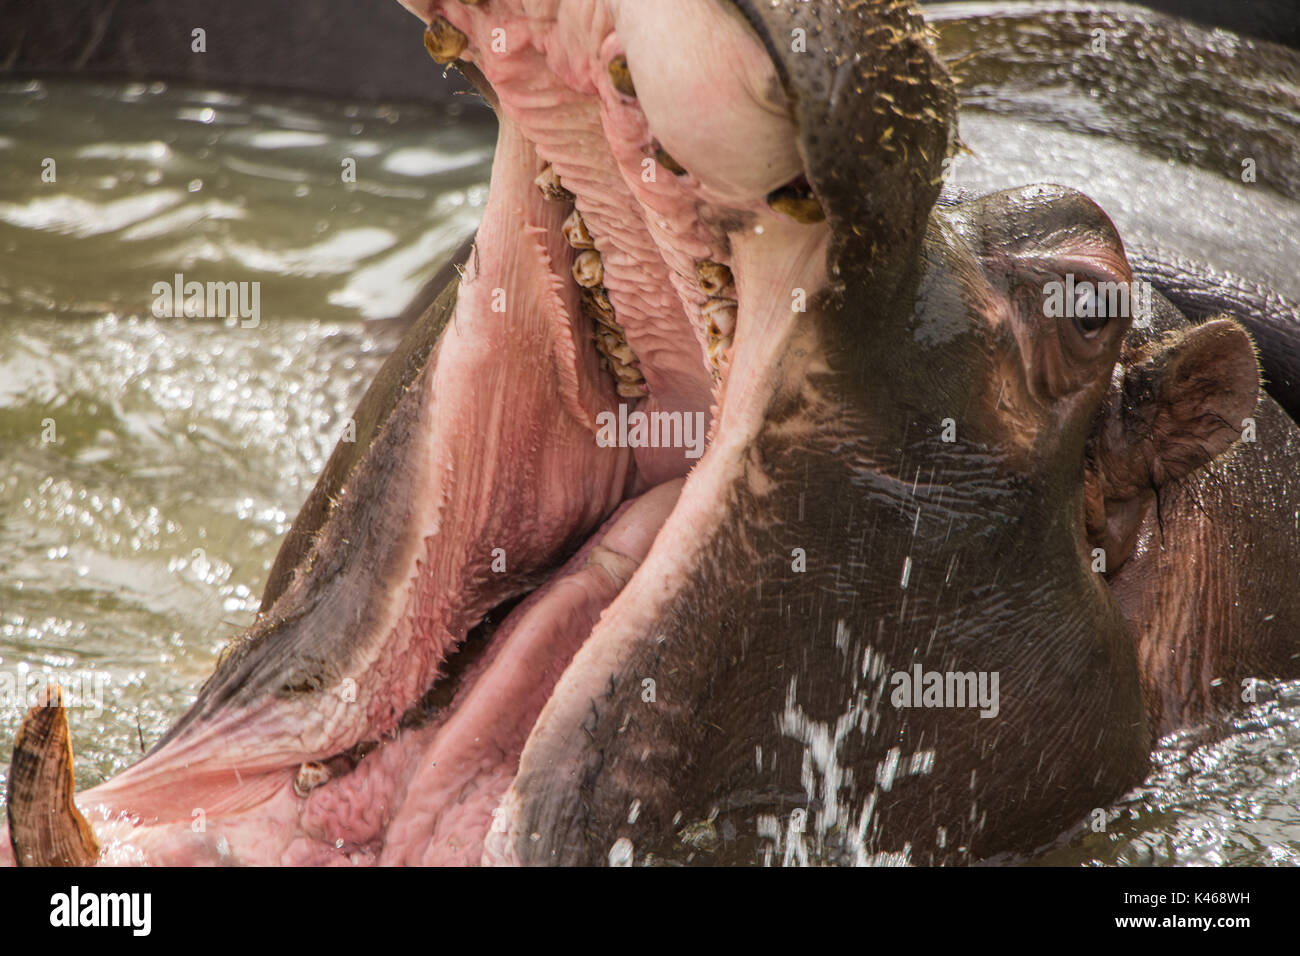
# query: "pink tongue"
(473, 758)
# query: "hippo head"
(527, 617)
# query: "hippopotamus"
(1202, 181)
(946, 561)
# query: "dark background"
(354, 49)
(349, 49)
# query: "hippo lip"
(380, 707)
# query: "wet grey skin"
(976, 555)
(968, 548)
(1155, 127)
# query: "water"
(1214, 797)
(137, 542)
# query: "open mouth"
(537, 488)
(605, 293)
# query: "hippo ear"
(1179, 405)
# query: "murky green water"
(136, 542)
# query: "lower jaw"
(452, 798)
(428, 794)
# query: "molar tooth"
(664, 159)
(588, 269)
(721, 316)
(310, 776)
(443, 41)
(597, 306)
(718, 346)
(615, 348)
(621, 76)
(548, 181)
(714, 277)
(626, 372)
(606, 341)
(575, 230)
(622, 352)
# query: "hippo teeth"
(588, 271)
(575, 231)
(45, 827)
(548, 181)
(443, 41)
(715, 279)
(310, 775)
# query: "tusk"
(45, 827)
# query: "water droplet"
(621, 853)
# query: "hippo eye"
(1090, 326)
(1091, 304)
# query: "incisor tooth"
(721, 316)
(548, 181)
(443, 41)
(714, 277)
(588, 270)
(45, 826)
(575, 230)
